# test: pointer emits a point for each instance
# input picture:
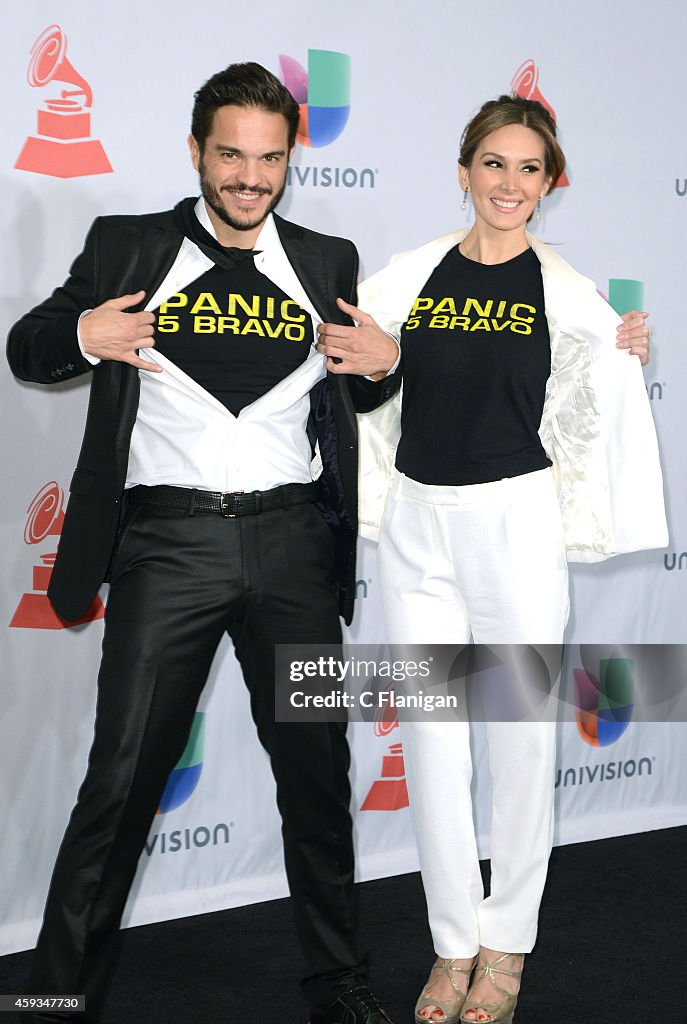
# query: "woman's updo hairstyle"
(495, 114)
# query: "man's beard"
(214, 200)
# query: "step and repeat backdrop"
(96, 116)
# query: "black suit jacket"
(123, 255)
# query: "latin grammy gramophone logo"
(389, 792)
(526, 84)
(45, 517)
(62, 147)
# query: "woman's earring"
(464, 204)
(538, 213)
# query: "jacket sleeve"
(43, 346)
(370, 394)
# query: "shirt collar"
(271, 259)
(267, 240)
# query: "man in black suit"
(194, 495)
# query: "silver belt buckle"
(224, 502)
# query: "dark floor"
(612, 949)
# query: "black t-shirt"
(235, 332)
(476, 358)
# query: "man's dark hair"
(242, 85)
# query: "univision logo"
(188, 839)
(611, 771)
(184, 777)
(675, 560)
(322, 93)
(604, 704)
(181, 783)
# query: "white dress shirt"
(185, 437)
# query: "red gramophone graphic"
(63, 146)
(390, 792)
(44, 519)
(526, 84)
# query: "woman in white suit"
(526, 440)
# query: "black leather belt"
(226, 503)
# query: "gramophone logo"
(526, 84)
(389, 792)
(62, 147)
(323, 93)
(184, 778)
(44, 519)
(604, 704)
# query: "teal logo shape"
(184, 777)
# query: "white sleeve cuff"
(93, 360)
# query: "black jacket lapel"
(155, 245)
(307, 259)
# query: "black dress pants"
(178, 582)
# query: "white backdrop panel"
(616, 77)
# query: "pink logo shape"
(526, 84)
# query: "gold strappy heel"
(499, 1013)
(451, 1010)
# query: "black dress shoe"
(357, 1005)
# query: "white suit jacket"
(596, 425)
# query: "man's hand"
(633, 334)
(109, 332)
(365, 350)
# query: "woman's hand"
(634, 335)
(365, 350)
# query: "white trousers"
(485, 561)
